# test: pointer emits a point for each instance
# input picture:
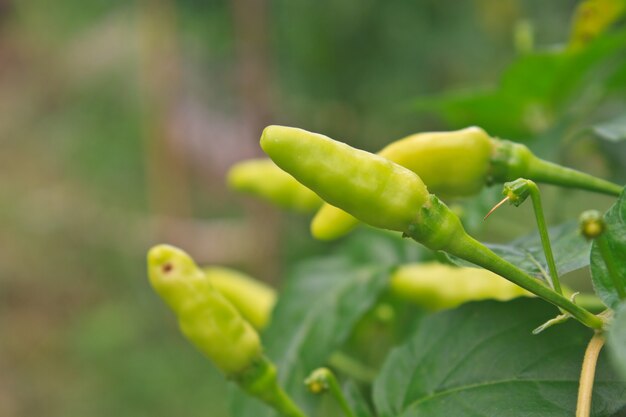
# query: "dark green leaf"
(482, 360)
(571, 251)
(617, 339)
(316, 312)
(615, 236)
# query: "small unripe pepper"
(435, 286)
(205, 316)
(263, 179)
(386, 195)
(215, 327)
(254, 299)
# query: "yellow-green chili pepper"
(435, 286)
(254, 299)
(380, 192)
(205, 316)
(386, 195)
(459, 164)
(263, 179)
(215, 326)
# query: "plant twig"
(587, 375)
(322, 380)
(543, 233)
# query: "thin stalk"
(611, 265)
(322, 380)
(548, 172)
(352, 367)
(545, 238)
(587, 375)
(466, 247)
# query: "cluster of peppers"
(220, 310)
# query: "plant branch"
(466, 247)
(587, 375)
(545, 238)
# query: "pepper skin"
(254, 299)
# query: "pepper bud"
(592, 224)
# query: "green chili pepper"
(370, 187)
(263, 179)
(205, 316)
(459, 164)
(215, 326)
(254, 299)
(435, 286)
(386, 195)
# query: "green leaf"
(616, 339)
(534, 92)
(571, 251)
(482, 360)
(615, 235)
(316, 312)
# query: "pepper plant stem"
(544, 171)
(543, 233)
(260, 381)
(611, 266)
(468, 248)
(587, 375)
(335, 390)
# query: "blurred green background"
(118, 121)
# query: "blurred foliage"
(83, 334)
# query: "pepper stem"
(512, 160)
(544, 171)
(466, 247)
(545, 237)
(322, 380)
(260, 381)
(516, 192)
